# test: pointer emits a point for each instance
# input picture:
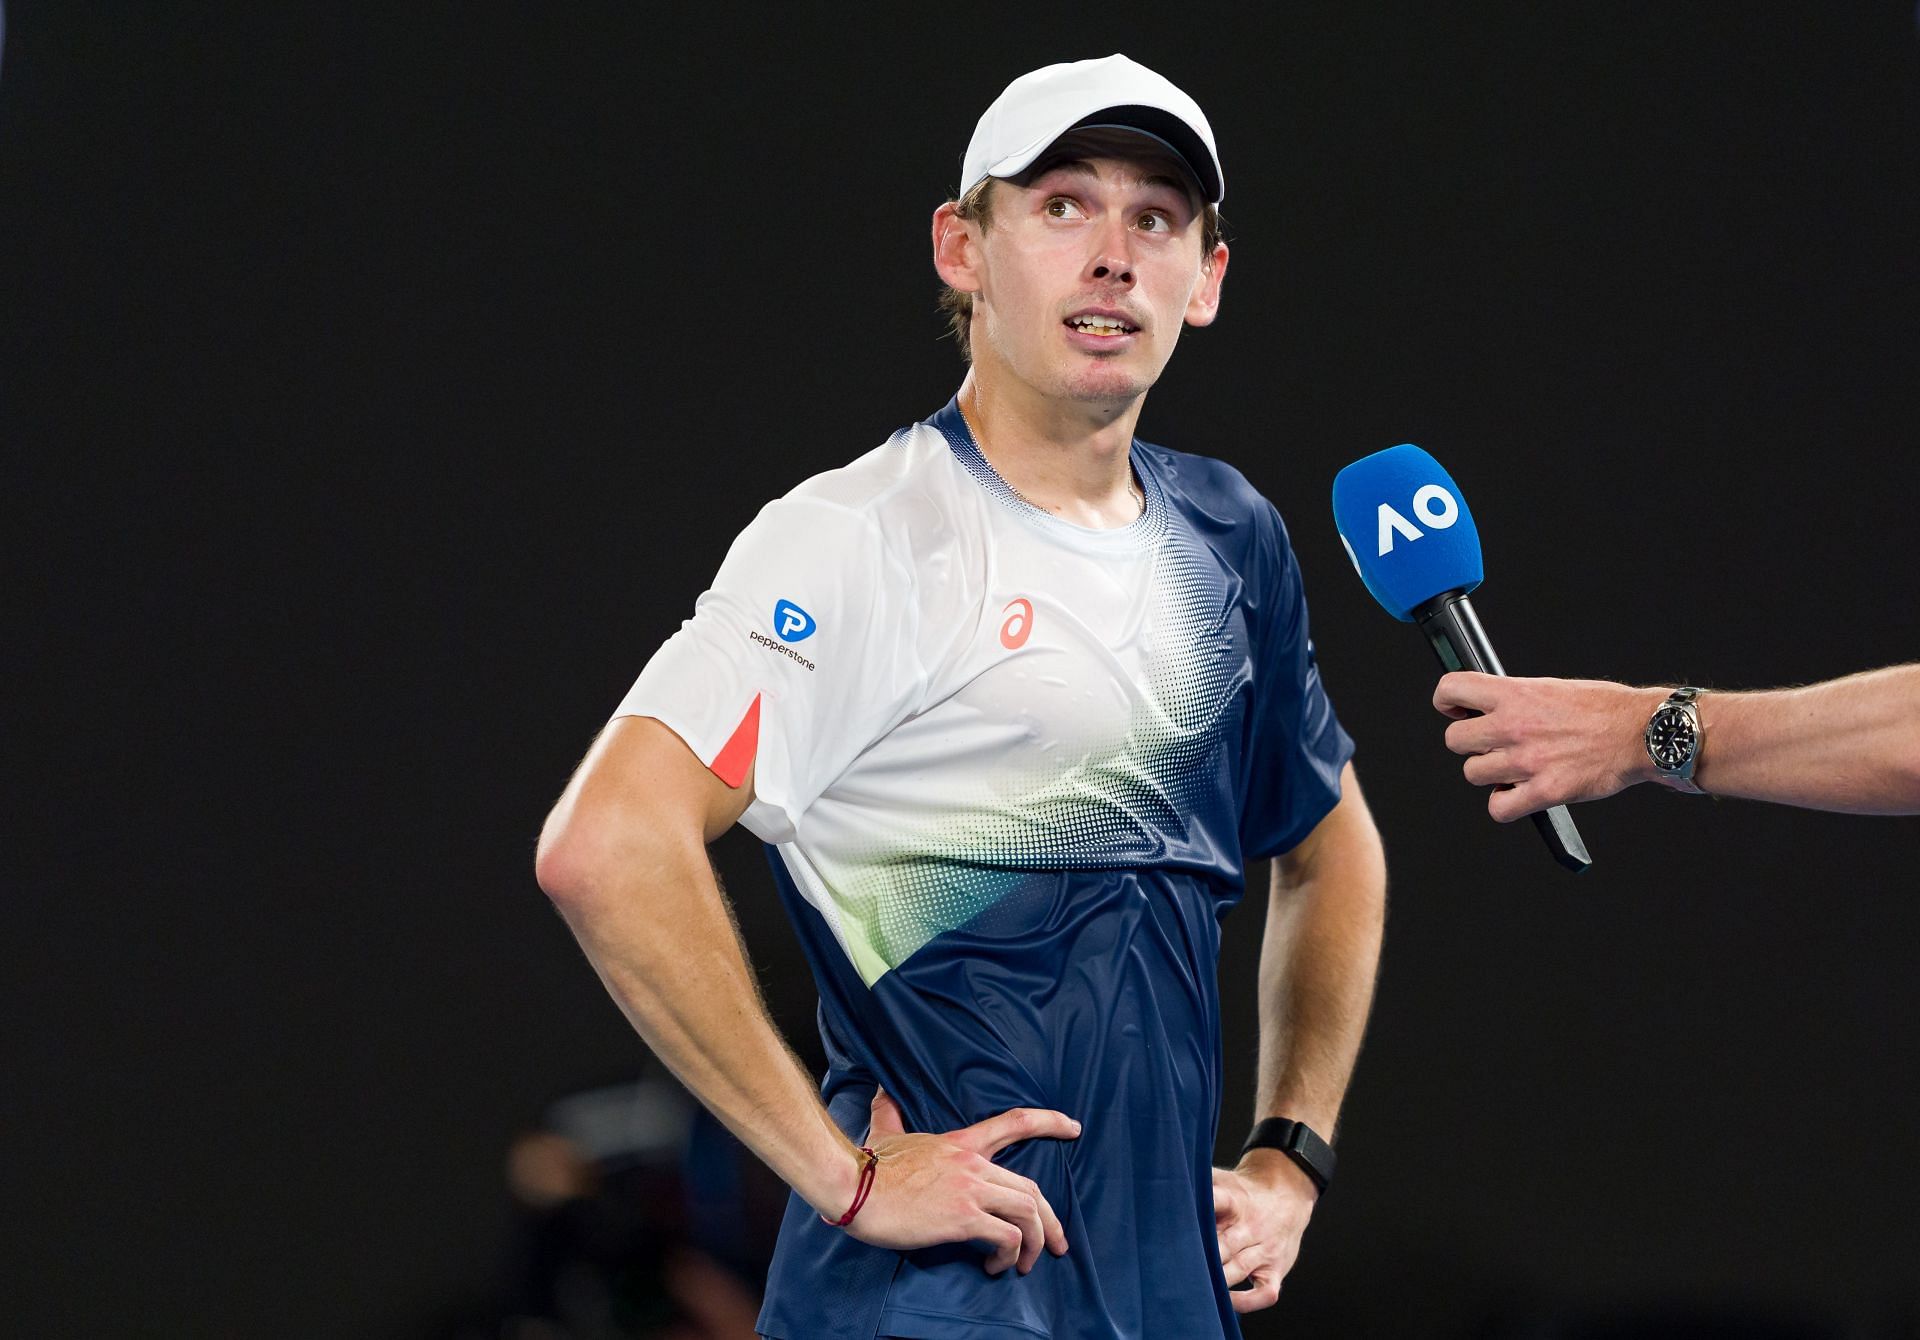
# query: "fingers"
(1021, 1209)
(1264, 1293)
(1002, 1237)
(1226, 1199)
(1240, 1252)
(936, 1189)
(994, 1134)
(1475, 735)
(1256, 1248)
(1499, 768)
(886, 1119)
(1239, 1265)
(1517, 802)
(1054, 1234)
(1461, 692)
(1492, 758)
(1016, 1199)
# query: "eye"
(1153, 221)
(1059, 207)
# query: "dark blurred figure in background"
(636, 1216)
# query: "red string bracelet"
(860, 1195)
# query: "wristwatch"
(1675, 737)
(1299, 1142)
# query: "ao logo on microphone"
(791, 623)
(1432, 504)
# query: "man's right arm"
(1850, 744)
(623, 856)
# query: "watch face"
(1671, 737)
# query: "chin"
(1106, 383)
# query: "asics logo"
(792, 623)
(1019, 623)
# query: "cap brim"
(1155, 123)
(1159, 124)
(1189, 171)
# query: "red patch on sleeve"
(737, 754)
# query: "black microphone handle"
(1454, 632)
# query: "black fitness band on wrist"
(1299, 1142)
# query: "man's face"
(1085, 274)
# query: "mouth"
(1101, 325)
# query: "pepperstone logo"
(780, 647)
(792, 623)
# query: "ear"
(1204, 305)
(956, 249)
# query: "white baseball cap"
(1039, 107)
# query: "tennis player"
(1014, 700)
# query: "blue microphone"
(1406, 526)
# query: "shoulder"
(1221, 502)
(870, 484)
(1204, 480)
(870, 511)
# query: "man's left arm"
(1325, 915)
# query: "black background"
(378, 389)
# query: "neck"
(1069, 458)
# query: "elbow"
(580, 850)
(589, 853)
(560, 867)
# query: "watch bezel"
(1679, 704)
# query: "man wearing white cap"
(1013, 699)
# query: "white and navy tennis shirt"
(1010, 772)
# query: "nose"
(1112, 261)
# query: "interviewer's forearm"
(1849, 744)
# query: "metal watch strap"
(1299, 1142)
(1685, 696)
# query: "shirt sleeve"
(1296, 745)
(800, 656)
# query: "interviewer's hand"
(1546, 742)
(1260, 1209)
(930, 1189)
